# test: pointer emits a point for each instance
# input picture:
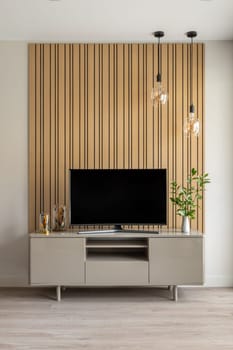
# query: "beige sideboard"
(118, 259)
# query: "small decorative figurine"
(44, 223)
(59, 217)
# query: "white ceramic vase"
(185, 224)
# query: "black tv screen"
(115, 197)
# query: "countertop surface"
(123, 234)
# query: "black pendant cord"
(159, 78)
(191, 76)
(159, 34)
(191, 35)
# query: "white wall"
(219, 163)
(14, 163)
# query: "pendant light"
(158, 93)
(191, 123)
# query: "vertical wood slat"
(56, 151)
(61, 123)
(46, 129)
(81, 131)
(171, 131)
(145, 97)
(156, 113)
(194, 140)
(89, 107)
(96, 107)
(163, 140)
(119, 110)
(32, 137)
(52, 126)
(178, 119)
(185, 109)
(105, 110)
(76, 103)
(67, 124)
(111, 83)
(150, 110)
(200, 114)
(41, 141)
(140, 106)
(135, 110)
(126, 105)
(38, 155)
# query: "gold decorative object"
(59, 217)
(44, 223)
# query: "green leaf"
(194, 171)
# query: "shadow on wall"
(13, 257)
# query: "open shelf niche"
(112, 249)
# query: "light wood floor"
(109, 319)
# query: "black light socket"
(192, 108)
(158, 34)
(158, 78)
(191, 34)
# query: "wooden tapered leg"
(175, 293)
(58, 293)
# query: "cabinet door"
(176, 260)
(57, 261)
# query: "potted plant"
(186, 198)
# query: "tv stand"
(168, 259)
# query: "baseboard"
(218, 281)
(13, 281)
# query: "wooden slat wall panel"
(90, 107)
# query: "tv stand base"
(117, 229)
(173, 292)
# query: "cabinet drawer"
(119, 273)
(57, 261)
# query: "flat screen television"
(118, 197)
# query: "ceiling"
(114, 21)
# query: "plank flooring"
(109, 319)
